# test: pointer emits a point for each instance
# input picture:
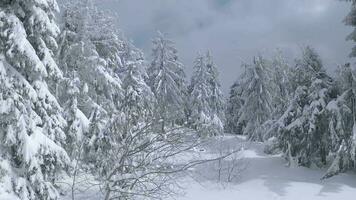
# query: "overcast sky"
(236, 30)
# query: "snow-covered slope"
(266, 177)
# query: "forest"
(83, 109)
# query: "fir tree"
(342, 123)
(167, 81)
(200, 97)
(216, 96)
(302, 129)
(32, 133)
(282, 84)
(234, 105)
(90, 53)
(138, 100)
(84, 53)
(77, 122)
(257, 97)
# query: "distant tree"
(217, 103)
(199, 89)
(276, 86)
(138, 100)
(233, 108)
(205, 98)
(281, 75)
(167, 81)
(257, 96)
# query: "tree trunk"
(163, 121)
(107, 195)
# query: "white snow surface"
(263, 177)
(267, 177)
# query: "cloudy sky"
(236, 30)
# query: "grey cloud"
(236, 30)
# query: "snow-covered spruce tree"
(90, 52)
(31, 130)
(307, 68)
(200, 96)
(234, 105)
(85, 49)
(342, 128)
(302, 129)
(134, 109)
(275, 86)
(282, 87)
(281, 92)
(118, 115)
(216, 101)
(138, 100)
(257, 97)
(167, 81)
(129, 135)
(77, 123)
(290, 127)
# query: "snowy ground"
(266, 177)
(262, 177)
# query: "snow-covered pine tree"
(128, 134)
(99, 58)
(282, 88)
(83, 51)
(198, 88)
(167, 81)
(307, 68)
(199, 98)
(302, 129)
(216, 99)
(234, 105)
(138, 100)
(257, 97)
(342, 111)
(275, 83)
(90, 53)
(77, 122)
(216, 96)
(290, 126)
(315, 140)
(31, 132)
